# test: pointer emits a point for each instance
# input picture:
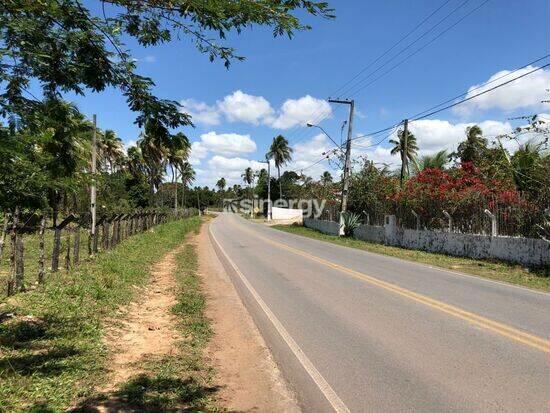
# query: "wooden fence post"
(76, 249)
(4, 232)
(19, 264)
(56, 248)
(13, 253)
(68, 251)
(41, 249)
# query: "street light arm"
(309, 125)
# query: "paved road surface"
(356, 331)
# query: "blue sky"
(282, 83)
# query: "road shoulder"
(248, 377)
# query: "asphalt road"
(361, 332)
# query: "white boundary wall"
(287, 214)
(525, 251)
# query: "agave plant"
(351, 222)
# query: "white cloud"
(128, 144)
(198, 152)
(150, 59)
(300, 111)
(230, 168)
(307, 153)
(527, 92)
(433, 135)
(201, 112)
(256, 110)
(227, 143)
(241, 107)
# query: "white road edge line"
(306, 363)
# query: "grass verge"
(533, 278)
(180, 381)
(51, 349)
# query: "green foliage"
(53, 349)
(281, 153)
(66, 48)
(352, 221)
(435, 161)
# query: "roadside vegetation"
(533, 278)
(181, 380)
(51, 339)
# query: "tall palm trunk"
(280, 186)
(175, 182)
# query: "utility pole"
(269, 212)
(198, 202)
(93, 194)
(404, 150)
(269, 208)
(347, 162)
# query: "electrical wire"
(391, 69)
(408, 46)
(319, 117)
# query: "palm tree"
(473, 148)
(405, 145)
(221, 184)
(248, 178)
(111, 149)
(326, 178)
(435, 161)
(176, 154)
(281, 153)
(187, 174)
(134, 162)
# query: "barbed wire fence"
(31, 245)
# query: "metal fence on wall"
(486, 216)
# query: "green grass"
(181, 381)
(533, 278)
(51, 350)
(30, 256)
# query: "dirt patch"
(246, 373)
(148, 329)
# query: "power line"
(391, 69)
(318, 118)
(423, 114)
(480, 94)
(482, 85)
(408, 46)
(390, 49)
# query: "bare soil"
(246, 373)
(148, 329)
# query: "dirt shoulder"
(248, 378)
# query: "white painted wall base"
(525, 251)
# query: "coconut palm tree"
(474, 147)
(134, 162)
(176, 154)
(187, 175)
(435, 161)
(111, 149)
(326, 178)
(221, 184)
(281, 153)
(407, 148)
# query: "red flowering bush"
(464, 194)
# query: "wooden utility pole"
(347, 162)
(404, 150)
(269, 207)
(93, 194)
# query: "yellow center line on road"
(512, 333)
